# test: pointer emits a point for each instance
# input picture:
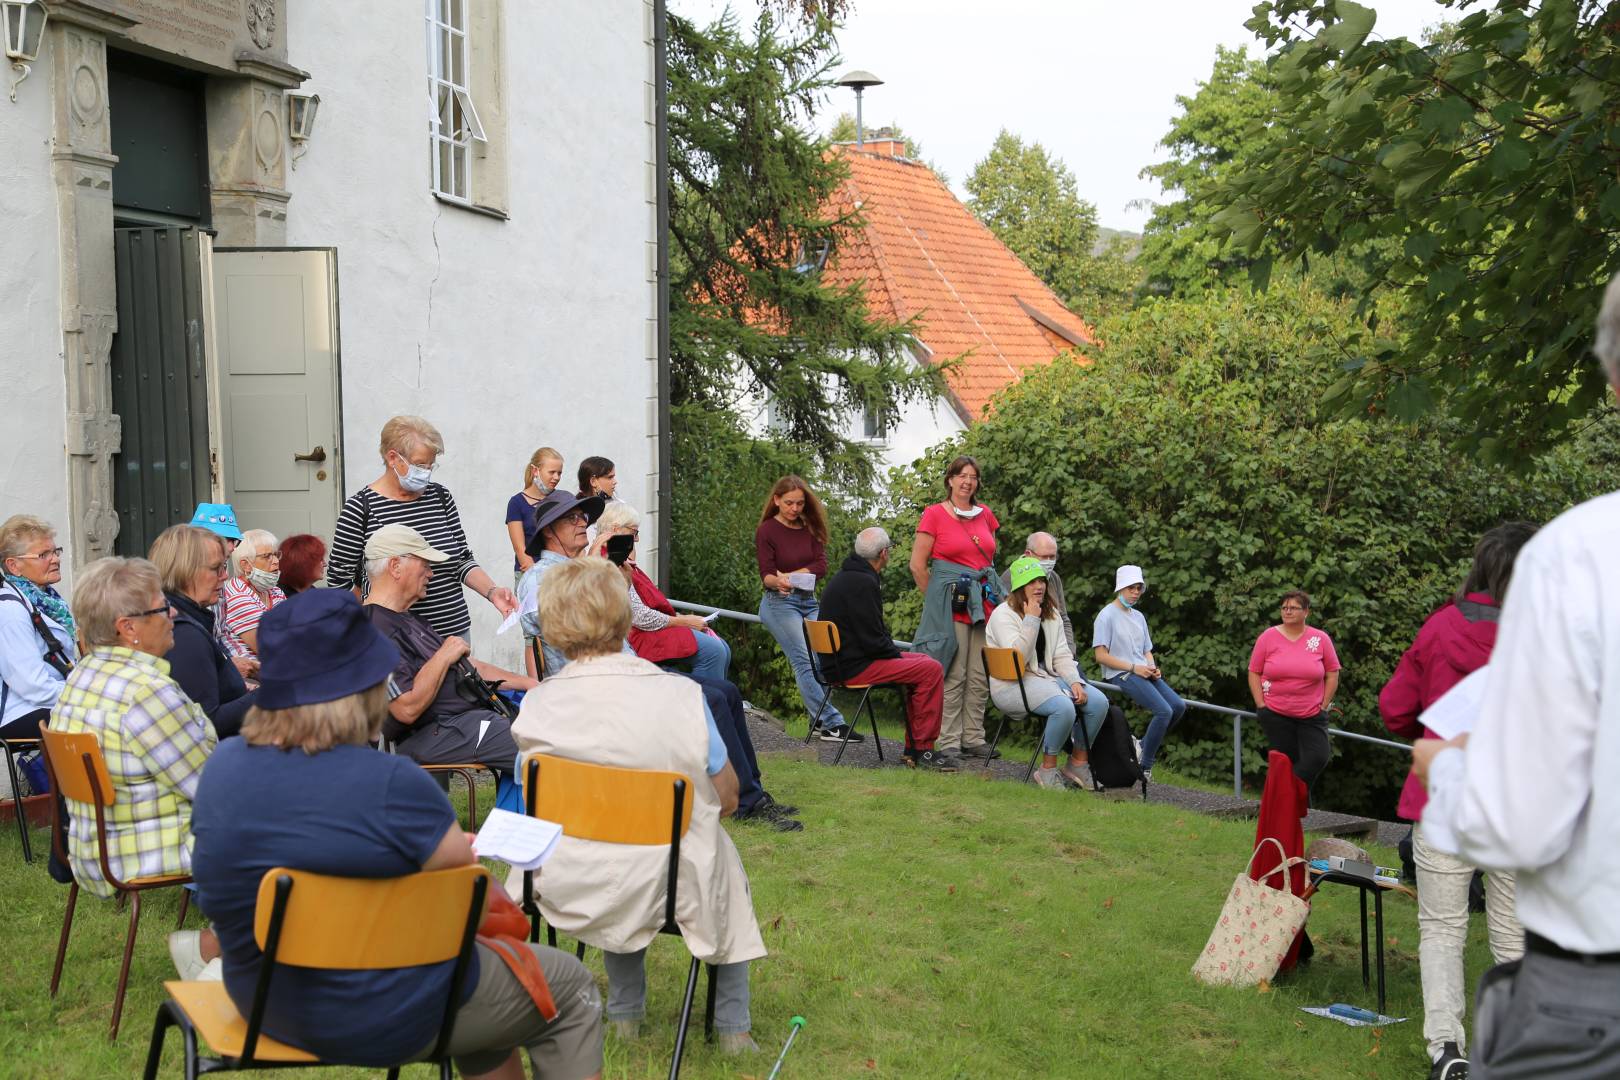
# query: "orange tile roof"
(921, 253)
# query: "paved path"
(770, 738)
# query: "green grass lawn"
(926, 926)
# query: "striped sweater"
(434, 515)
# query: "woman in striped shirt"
(405, 494)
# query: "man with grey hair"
(1535, 788)
(853, 601)
(1043, 548)
(429, 720)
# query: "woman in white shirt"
(1028, 621)
(37, 630)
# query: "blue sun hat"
(218, 518)
(319, 646)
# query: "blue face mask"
(1126, 601)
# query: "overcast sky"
(1095, 81)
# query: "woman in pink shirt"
(1293, 676)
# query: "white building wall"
(33, 460)
(922, 424)
(508, 335)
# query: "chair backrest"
(1004, 664)
(607, 803)
(369, 923)
(822, 636)
(66, 753)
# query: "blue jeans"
(1163, 703)
(1060, 715)
(713, 657)
(726, 705)
(784, 617)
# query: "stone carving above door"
(261, 22)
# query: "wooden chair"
(822, 639)
(13, 747)
(332, 923)
(79, 771)
(619, 806)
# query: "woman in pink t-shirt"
(1293, 677)
(953, 563)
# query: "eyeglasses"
(42, 556)
(166, 609)
(1292, 607)
(576, 517)
(216, 568)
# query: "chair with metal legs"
(78, 770)
(13, 747)
(619, 806)
(1008, 665)
(822, 639)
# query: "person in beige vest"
(611, 708)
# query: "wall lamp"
(24, 25)
(301, 109)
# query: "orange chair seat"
(158, 879)
(214, 1015)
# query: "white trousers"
(1442, 888)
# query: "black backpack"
(1113, 754)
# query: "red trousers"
(924, 680)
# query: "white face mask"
(973, 513)
(264, 579)
(416, 478)
(1047, 564)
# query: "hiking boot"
(836, 734)
(1049, 778)
(931, 760)
(1450, 1065)
(983, 750)
(771, 810)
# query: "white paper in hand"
(1457, 710)
(518, 840)
(806, 581)
(711, 616)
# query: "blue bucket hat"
(218, 518)
(319, 646)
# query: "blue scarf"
(46, 599)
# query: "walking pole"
(797, 1023)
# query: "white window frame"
(453, 124)
(871, 428)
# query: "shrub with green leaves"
(1191, 445)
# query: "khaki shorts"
(500, 1016)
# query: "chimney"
(885, 146)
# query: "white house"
(205, 296)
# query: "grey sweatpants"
(1544, 1016)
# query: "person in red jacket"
(1455, 641)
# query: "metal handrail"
(1237, 715)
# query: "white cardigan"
(1007, 629)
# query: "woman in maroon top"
(791, 544)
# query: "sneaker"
(1137, 743)
(185, 949)
(779, 807)
(1049, 778)
(213, 971)
(1077, 776)
(932, 761)
(836, 734)
(1450, 1065)
(762, 816)
(735, 1043)
(983, 750)
(1147, 776)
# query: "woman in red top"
(953, 563)
(791, 545)
(1293, 676)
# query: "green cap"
(1023, 571)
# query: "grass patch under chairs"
(939, 952)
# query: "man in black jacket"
(853, 601)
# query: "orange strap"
(497, 934)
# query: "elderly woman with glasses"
(154, 738)
(191, 562)
(1293, 677)
(37, 630)
(252, 589)
(406, 494)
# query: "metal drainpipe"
(661, 157)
